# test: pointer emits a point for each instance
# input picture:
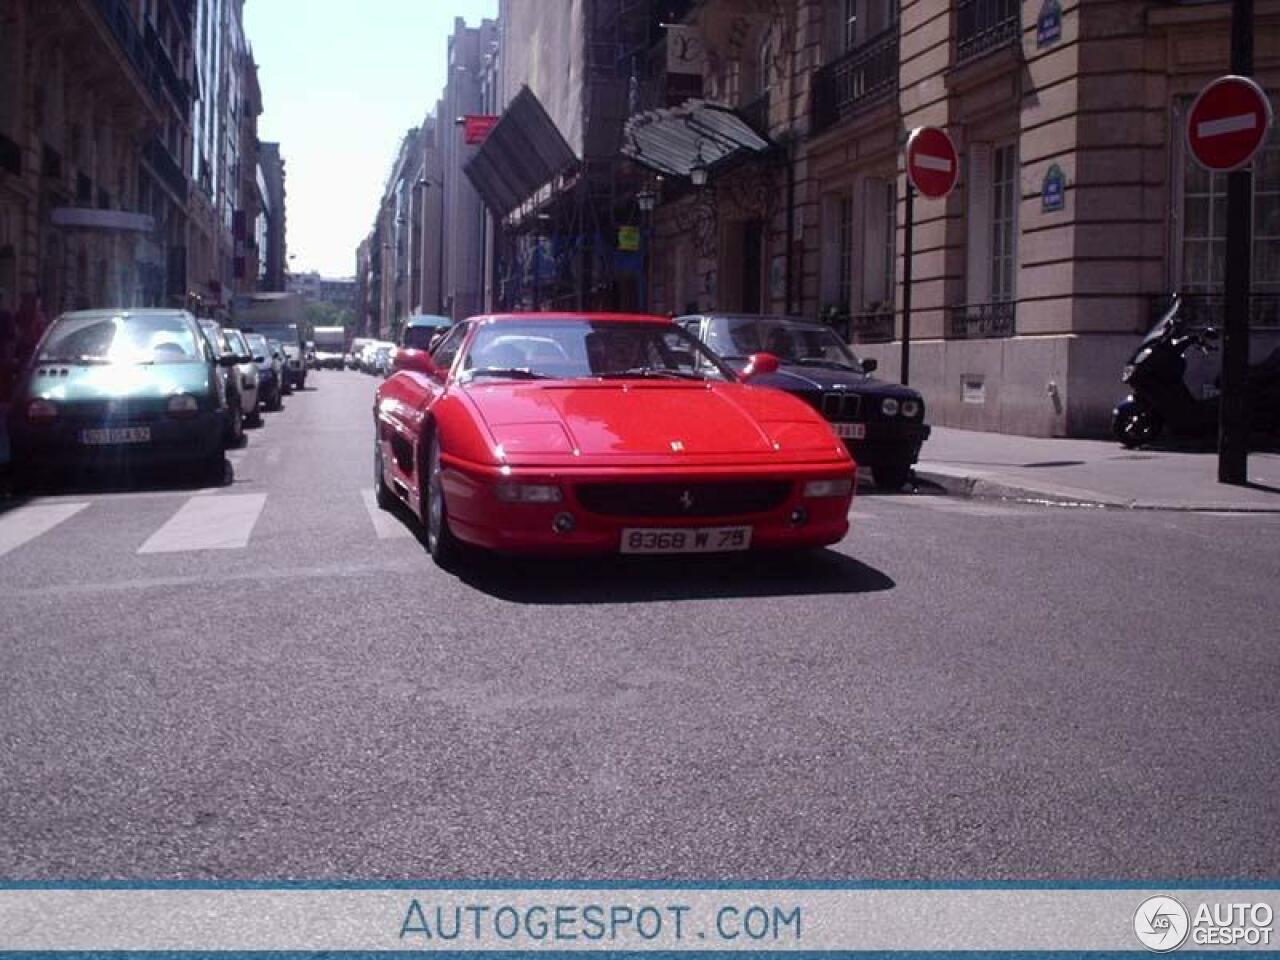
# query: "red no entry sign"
(1228, 123)
(932, 162)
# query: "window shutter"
(978, 253)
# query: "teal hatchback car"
(117, 388)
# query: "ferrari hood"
(649, 419)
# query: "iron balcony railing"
(984, 25)
(120, 20)
(176, 86)
(1200, 310)
(877, 327)
(865, 75)
(164, 166)
(978, 321)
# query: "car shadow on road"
(652, 579)
(102, 480)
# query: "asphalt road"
(273, 680)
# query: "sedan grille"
(683, 499)
(841, 406)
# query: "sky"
(341, 84)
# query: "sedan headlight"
(529, 493)
(183, 405)
(828, 488)
(911, 408)
(42, 411)
(889, 407)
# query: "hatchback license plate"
(851, 431)
(692, 540)
(111, 435)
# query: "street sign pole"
(906, 284)
(1233, 411)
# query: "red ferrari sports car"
(601, 433)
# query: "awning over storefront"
(674, 140)
(523, 153)
(92, 219)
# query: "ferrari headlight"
(529, 493)
(910, 408)
(889, 407)
(828, 488)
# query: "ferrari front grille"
(717, 499)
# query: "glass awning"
(674, 140)
(522, 154)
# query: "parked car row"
(137, 387)
(598, 433)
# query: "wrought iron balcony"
(978, 321)
(166, 167)
(176, 86)
(1200, 310)
(984, 25)
(865, 75)
(124, 28)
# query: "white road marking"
(1220, 128)
(972, 508)
(208, 523)
(26, 523)
(927, 161)
(384, 524)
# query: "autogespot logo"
(1161, 923)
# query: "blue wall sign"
(1049, 23)
(1053, 194)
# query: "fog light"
(564, 523)
(828, 488)
(183, 405)
(529, 493)
(42, 410)
(798, 517)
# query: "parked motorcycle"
(1161, 399)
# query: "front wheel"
(441, 543)
(1135, 426)
(235, 428)
(386, 499)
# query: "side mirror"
(244, 358)
(759, 365)
(228, 360)
(415, 361)
(259, 359)
(870, 365)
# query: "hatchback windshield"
(258, 344)
(805, 344)
(570, 349)
(121, 339)
(419, 338)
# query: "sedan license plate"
(112, 435)
(851, 431)
(694, 540)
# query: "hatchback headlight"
(183, 405)
(911, 408)
(828, 488)
(42, 410)
(529, 493)
(889, 407)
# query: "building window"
(844, 287)
(1004, 223)
(849, 24)
(879, 245)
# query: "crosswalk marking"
(384, 524)
(208, 523)
(27, 523)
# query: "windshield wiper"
(513, 373)
(660, 372)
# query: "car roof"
(126, 313)
(570, 316)
(770, 317)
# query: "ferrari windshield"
(121, 339)
(570, 349)
(791, 342)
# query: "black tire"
(1138, 427)
(212, 470)
(277, 401)
(441, 543)
(255, 418)
(892, 477)
(235, 427)
(386, 499)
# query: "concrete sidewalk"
(1101, 473)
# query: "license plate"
(110, 435)
(851, 431)
(695, 540)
